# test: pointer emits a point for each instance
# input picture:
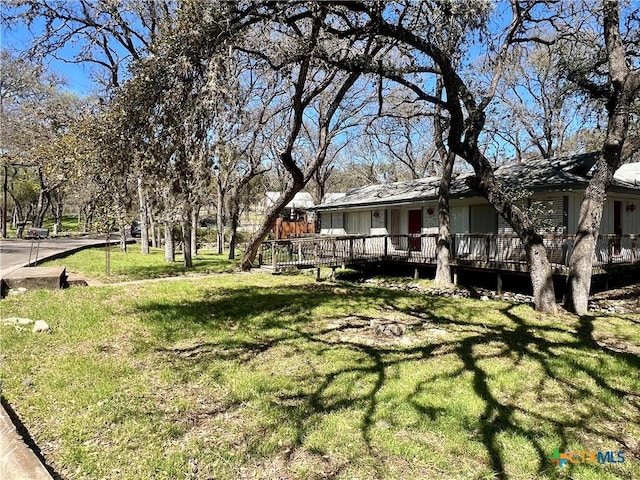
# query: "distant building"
(297, 218)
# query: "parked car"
(207, 222)
(135, 229)
(37, 232)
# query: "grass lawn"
(69, 224)
(132, 265)
(275, 377)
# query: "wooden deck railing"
(492, 251)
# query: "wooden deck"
(478, 251)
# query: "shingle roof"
(628, 174)
(565, 173)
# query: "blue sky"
(78, 76)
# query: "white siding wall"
(606, 224)
(430, 221)
(631, 220)
(459, 216)
(364, 222)
(379, 222)
(574, 212)
(404, 220)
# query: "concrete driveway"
(16, 253)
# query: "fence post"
(299, 252)
(386, 246)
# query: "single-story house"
(407, 212)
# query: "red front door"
(415, 228)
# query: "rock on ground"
(41, 327)
(16, 321)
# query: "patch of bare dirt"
(624, 300)
(388, 330)
(293, 464)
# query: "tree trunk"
(576, 297)
(169, 246)
(41, 209)
(270, 219)
(154, 231)
(544, 297)
(186, 241)
(43, 202)
(123, 237)
(578, 286)
(443, 248)
(620, 96)
(88, 219)
(220, 220)
(233, 230)
(5, 189)
(539, 266)
(195, 214)
(144, 219)
(448, 158)
(254, 245)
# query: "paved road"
(16, 253)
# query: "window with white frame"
(358, 222)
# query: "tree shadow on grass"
(245, 323)
(201, 266)
(523, 341)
